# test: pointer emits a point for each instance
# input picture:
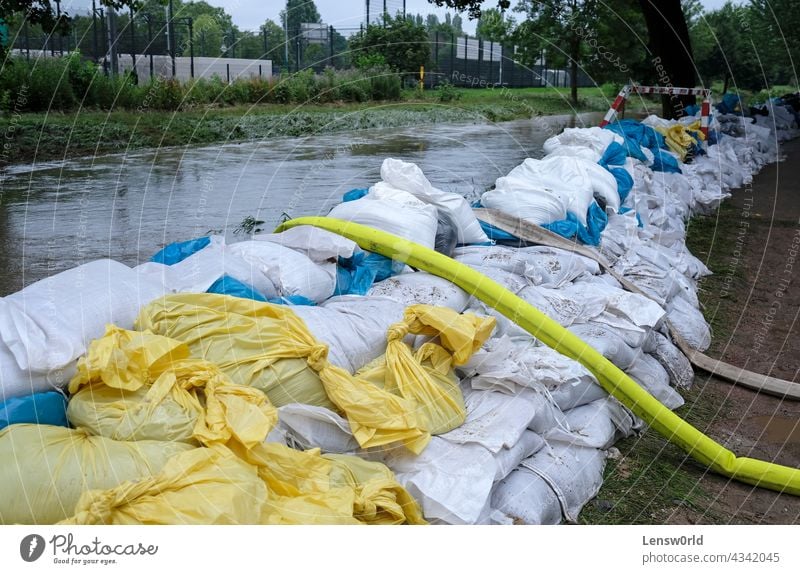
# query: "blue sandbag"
(638, 135)
(356, 274)
(497, 234)
(292, 300)
(730, 104)
(177, 252)
(227, 285)
(590, 234)
(615, 155)
(48, 408)
(354, 194)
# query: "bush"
(165, 94)
(448, 92)
(386, 86)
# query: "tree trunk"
(671, 52)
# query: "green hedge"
(69, 83)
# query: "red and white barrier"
(705, 109)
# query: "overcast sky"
(250, 14)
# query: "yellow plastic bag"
(309, 488)
(46, 468)
(140, 386)
(680, 138)
(406, 401)
(202, 486)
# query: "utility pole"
(171, 36)
(111, 30)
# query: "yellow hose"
(699, 446)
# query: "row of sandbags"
(528, 429)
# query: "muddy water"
(125, 207)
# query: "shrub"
(447, 92)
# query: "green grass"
(653, 480)
(86, 132)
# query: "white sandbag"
(495, 256)
(420, 287)
(559, 305)
(307, 426)
(593, 138)
(15, 382)
(651, 376)
(409, 177)
(674, 361)
(507, 459)
(577, 393)
(523, 198)
(510, 366)
(494, 420)
(290, 271)
(551, 267)
(606, 342)
(394, 211)
(552, 485)
(451, 482)
(689, 322)
(317, 244)
(353, 327)
(200, 270)
(598, 424)
(50, 323)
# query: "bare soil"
(753, 304)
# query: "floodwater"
(54, 216)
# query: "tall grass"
(69, 83)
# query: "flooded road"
(58, 215)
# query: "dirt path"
(752, 302)
(754, 305)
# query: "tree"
(568, 21)
(276, 39)
(776, 26)
(401, 43)
(670, 49)
(207, 35)
(494, 26)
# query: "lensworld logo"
(31, 548)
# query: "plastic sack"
(178, 251)
(48, 408)
(49, 324)
(393, 211)
(291, 272)
(227, 285)
(355, 275)
(46, 468)
(552, 485)
(409, 177)
(309, 488)
(141, 386)
(406, 397)
(421, 288)
(317, 244)
(201, 486)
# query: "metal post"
(133, 41)
(58, 21)
(259, 71)
(297, 43)
(150, 42)
(286, 40)
(404, 8)
(94, 30)
(264, 33)
(385, 13)
(452, 54)
(466, 69)
(112, 40)
(191, 47)
(228, 72)
(368, 1)
(27, 40)
(171, 36)
(491, 61)
(330, 45)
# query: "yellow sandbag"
(679, 139)
(201, 486)
(407, 401)
(253, 343)
(309, 488)
(141, 386)
(45, 469)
